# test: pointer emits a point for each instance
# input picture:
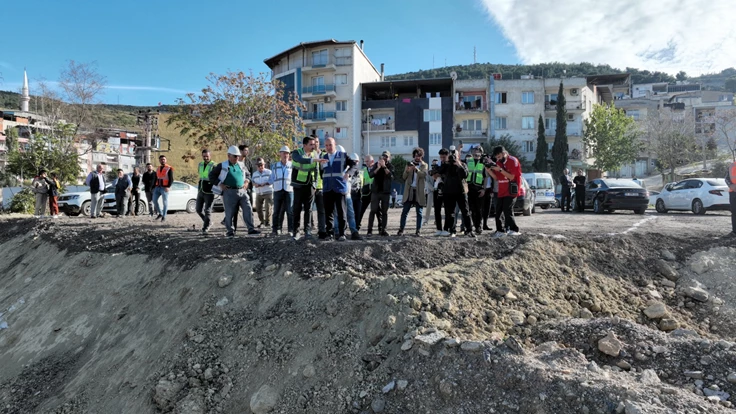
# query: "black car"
(604, 194)
(524, 205)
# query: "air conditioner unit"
(574, 91)
(328, 99)
(570, 117)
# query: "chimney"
(361, 45)
(382, 72)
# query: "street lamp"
(368, 144)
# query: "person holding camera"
(414, 175)
(507, 172)
(476, 177)
(455, 193)
(382, 174)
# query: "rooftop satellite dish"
(453, 75)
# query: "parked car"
(607, 194)
(525, 205)
(543, 187)
(182, 197)
(694, 194)
(75, 203)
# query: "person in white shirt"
(283, 193)
(261, 179)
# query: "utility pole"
(475, 56)
(149, 121)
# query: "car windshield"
(544, 183)
(621, 184)
(716, 182)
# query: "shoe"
(254, 231)
(222, 222)
(341, 238)
(438, 233)
(453, 235)
(470, 234)
(416, 234)
(498, 235)
(308, 236)
(205, 229)
(322, 236)
(274, 233)
(514, 233)
(259, 225)
(400, 233)
(356, 236)
(485, 227)
(160, 216)
(384, 233)
(230, 235)
(369, 233)
(478, 231)
(163, 218)
(444, 233)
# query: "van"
(544, 187)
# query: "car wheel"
(140, 209)
(639, 211)
(544, 207)
(660, 207)
(698, 207)
(598, 206)
(191, 206)
(86, 208)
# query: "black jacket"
(149, 180)
(454, 177)
(579, 181)
(382, 178)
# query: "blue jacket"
(333, 175)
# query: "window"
(393, 141)
(527, 97)
(319, 57)
(408, 141)
(435, 139)
(318, 108)
(499, 122)
(432, 115)
(550, 98)
(341, 79)
(500, 97)
(527, 122)
(341, 132)
(472, 125)
(528, 146)
(318, 81)
(384, 142)
(341, 106)
(550, 123)
(472, 102)
(633, 113)
(342, 56)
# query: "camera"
(487, 161)
(414, 163)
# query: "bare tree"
(671, 136)
(82, 86)
(725, 129)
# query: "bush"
(719, 169)
(23, 202)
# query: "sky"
(157, 51)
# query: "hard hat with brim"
(233, 150)
(284, 149)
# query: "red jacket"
(512, 166)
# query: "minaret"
(25, 97)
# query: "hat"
(284, 149)
(233, 150)
(341, 148)
(452, 148)
(355, 156)
(386, 153)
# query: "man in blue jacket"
(335, 173)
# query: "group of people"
(568, 186)
(332, 183)
(46, 190)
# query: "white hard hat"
(233, 150)
(340, 148)
(284, 149)
(355, 157)
(452, 148)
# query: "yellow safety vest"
(475, 172)
(303, 170)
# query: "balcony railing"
(570, 132)
(388, 126)
(471, 133)
(471, 106)
(570, 106)
(318, 89)
(318, 116)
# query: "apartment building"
(326, 76)
(472, 119)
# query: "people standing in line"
(54, 188)
(365, 191)
(261, 179)
(429, 194)
(135, 192)
(507, 172)
(164, 179)
(283, 194)
(731, 181)
(455, 192)
(233, 179)
(122, 186)
(415, 175)
(335, 174)
(205, 196)
(149, 182)
(41, 186)
(97, 187)
(476, 177)
(304, 163)
(579, 182)
(567, 185)
(382, 174)
(439, 186)
(394, 194)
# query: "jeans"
(405, 213)
(121, 203)
(41, 201)
(264, 203)
(505, 206)
(303, 199)
(350, 203)
(282, 205)
(204, 208)
(232, 198)
(96, 204)
(149, 197)
(379, 207)
(461, 202)
(135, 197)
(335, 201)
(161, 192)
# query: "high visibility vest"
(204, 170)
(162, 175)
(367, 179)
(475, 172)
(304, 171)
(333, 176)
(318, 174)
(732, 175)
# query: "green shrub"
(719, 169)
(23, 201)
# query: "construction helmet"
(233, 150)
(284, 149)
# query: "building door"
(318, 84)
(318, 109)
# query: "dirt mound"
(130, 319)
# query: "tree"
(725, 129)
(52, 152)
(509, 144)
(238, 108)
(560, 150)
(611, 137)
(670, 134)
(82, 86)
(399, 164)
(731, 84)
(540, 157)
(681, 75)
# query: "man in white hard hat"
(283, 193)
(336, 186)
(233, 180)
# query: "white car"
(694, 194)
(182, 197)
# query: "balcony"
(319, 117)
(474, 133)
(570, 106)
(321, 63)
(461, 107)
(570, 132)
(319, 90)
(384, 127)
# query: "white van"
(543, 186)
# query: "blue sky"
(170, 46)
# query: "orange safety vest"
(732, 175)
(162, 176)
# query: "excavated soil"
(134, 319)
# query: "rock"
(430, 339)
(309, 371)
(388, 387)
(585, 314)
(502, 291)
(731, 378)
(655, 294)
(378, 405)
(407, 345)
(222, 302)
(271, 267)
(659, 349)
(514, 345)
(264, 400)
(631, 408)
(706, 360)
(668, 255)
(416, 304)
(224, 281)
(666, 270)
(531, 320)
(547, 347)
(363, 394)
(194, 382)
(471, 346)
(288, 273)
(668, 283)
(208, 374)
(656, 310)
(668, 324)
(702, 265)
(610, 345)
(165, 393)
(451, 343)
(511, 296)
(623, 365)
(694, 374)
(722, 395)
(427, 317)
(193, 403)
(649, 376)
(446, 388)
(402, 384)
(517, 317)
(696, 293)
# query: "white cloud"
(692, 35)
